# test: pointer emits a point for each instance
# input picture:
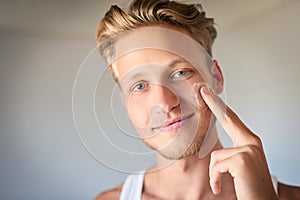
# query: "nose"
(164, 98)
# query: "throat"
(186, 186)
(181, 178)
(185, 179)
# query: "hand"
(246, 162)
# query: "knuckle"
(256, 141)
(214, 154)
(214, 158)
(242, 159)
(252, 150)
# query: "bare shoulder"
(113, 194)
(288, 192)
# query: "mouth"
(173, 124)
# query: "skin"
(240, 172)
(144, 95)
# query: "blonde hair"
(153, 12)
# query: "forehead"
(149, 45)
(144, 58)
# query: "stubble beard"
(188, 149)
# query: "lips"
(173, 124)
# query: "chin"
(178, 152)
(184, 144)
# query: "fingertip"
(216, 189)
(197, 92)
(205, 90)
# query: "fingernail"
(206, 90)
(197, 86)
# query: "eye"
(182, 74)
(139, 86)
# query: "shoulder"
(288, 192)
(113, 194)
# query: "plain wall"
(42, 46)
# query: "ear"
(218, 79)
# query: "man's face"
(157, 90)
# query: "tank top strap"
(275, 183)
(132, 187)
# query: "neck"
(182, 179)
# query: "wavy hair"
(152, 12)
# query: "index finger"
(239, 133)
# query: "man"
(173, 102)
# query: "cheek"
(138, 114)
(198, 79)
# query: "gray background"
(42, 44)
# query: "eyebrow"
(176, 61)
(130, 79)
(135, 76)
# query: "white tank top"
(133, 186)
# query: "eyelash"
(184, 76)
(134, 87)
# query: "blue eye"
(139, 87)
(181, 74)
